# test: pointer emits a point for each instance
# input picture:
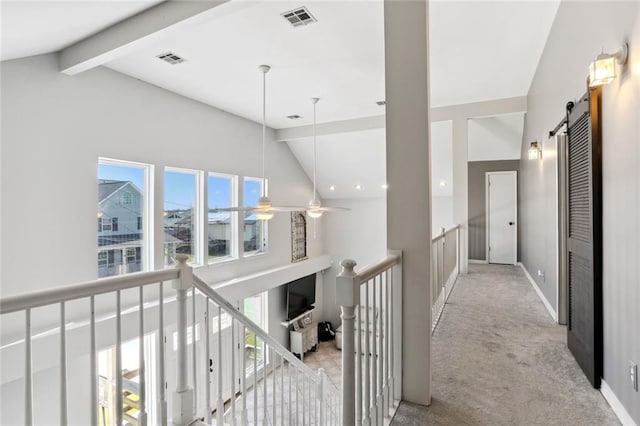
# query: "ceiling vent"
(381, 103)
(171, 58)
(299, 17)
(293, 117)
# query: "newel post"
(183, 395)
(348, 297)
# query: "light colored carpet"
(499, 359)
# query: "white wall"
(495, 138)
(580, 30)
(357, 234)
(441, 214)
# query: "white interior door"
(502, 229)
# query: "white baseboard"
(552, 311)
(479, 261)
(616, 405)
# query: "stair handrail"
(204, 288)
(84, 289)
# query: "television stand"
(303, 334)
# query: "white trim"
(552, 311)
(616, 405)
(487, 185)
(479, 261)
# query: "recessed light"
(385, 186)
(358, 187)
(332, 188)
(443, 183)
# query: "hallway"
(498, 358)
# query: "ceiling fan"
(315, 209)
(265, 209)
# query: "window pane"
(179, 216)
(254, 230)
(220, 224)
(118, 213)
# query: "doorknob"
(510, 223)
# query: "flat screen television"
(301, 295)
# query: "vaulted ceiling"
(479, 50)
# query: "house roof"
(108, 187)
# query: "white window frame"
(234, 221)
(198, 233)
(148, 248)
(264, 244)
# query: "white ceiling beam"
(331, 128)
(128, 35)
(472, 110)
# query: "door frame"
(515, 212)
(562, 178)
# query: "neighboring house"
(120, 228)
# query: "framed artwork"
(298, 236)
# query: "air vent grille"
(171, 58)
(293, 117)
(299, 17)
(381, 103)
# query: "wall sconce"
(603, 69)
(534, 151)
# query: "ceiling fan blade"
(334, 209)
(232, 209)
(288, 208)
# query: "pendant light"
(315, 209)
(265, 209)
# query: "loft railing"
(445, 267)
(370, 302)
(290, 392)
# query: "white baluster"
(358, 374)
(162, 397)
(297, 398)
(290, 400)
(243, 375)
(28, 376)
(119, 402)
(220, 407)
(348, 295)
(207, 374)
(374, 354)
(273, 387)
(194, 369)
(321, 396)
(367, 362)
(385, 402)
(255, 380)
(93, 364)
(264, 384)
(142, 419)
(233, 371)
(391, 344)
(282, 391)
(381, 357)
(63, 365)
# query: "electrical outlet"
(633, 375)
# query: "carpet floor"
(499, 359)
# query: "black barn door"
(584, 234)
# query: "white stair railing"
(370, 301)
(445, 267)
(291, 393)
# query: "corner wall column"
(408, 175)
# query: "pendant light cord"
(314, 150)
(264, 129)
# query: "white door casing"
(502, 227)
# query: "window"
(127, 198)
(221, 226)
(181, 215)
(123, 196)
(253, 230)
